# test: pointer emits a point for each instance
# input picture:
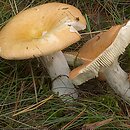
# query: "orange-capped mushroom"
(101, 53)
(44, 30)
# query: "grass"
(24, 83)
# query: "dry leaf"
(93, 126)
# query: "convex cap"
(41, 30)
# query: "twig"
(93, 32)
(93, 126)
(72, 121)
(34, 106)
(34, 84)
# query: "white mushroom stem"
(72, 59)
(118, 80)
(58, 70)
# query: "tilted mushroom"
(40, 31)
(101, 54)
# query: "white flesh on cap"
(58, 70)
(75, 26)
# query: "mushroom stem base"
(118, 80)
(58, 70)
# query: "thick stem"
(118, 80)
(58, 70)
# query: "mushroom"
(100, 54)
(44, 31)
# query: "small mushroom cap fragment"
(100, 52)
(41, 30)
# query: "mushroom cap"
(41, 30)
(100, 52)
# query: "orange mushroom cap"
(41, 30)
(97, 53)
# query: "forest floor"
(25, 83)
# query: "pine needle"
(34, 106)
